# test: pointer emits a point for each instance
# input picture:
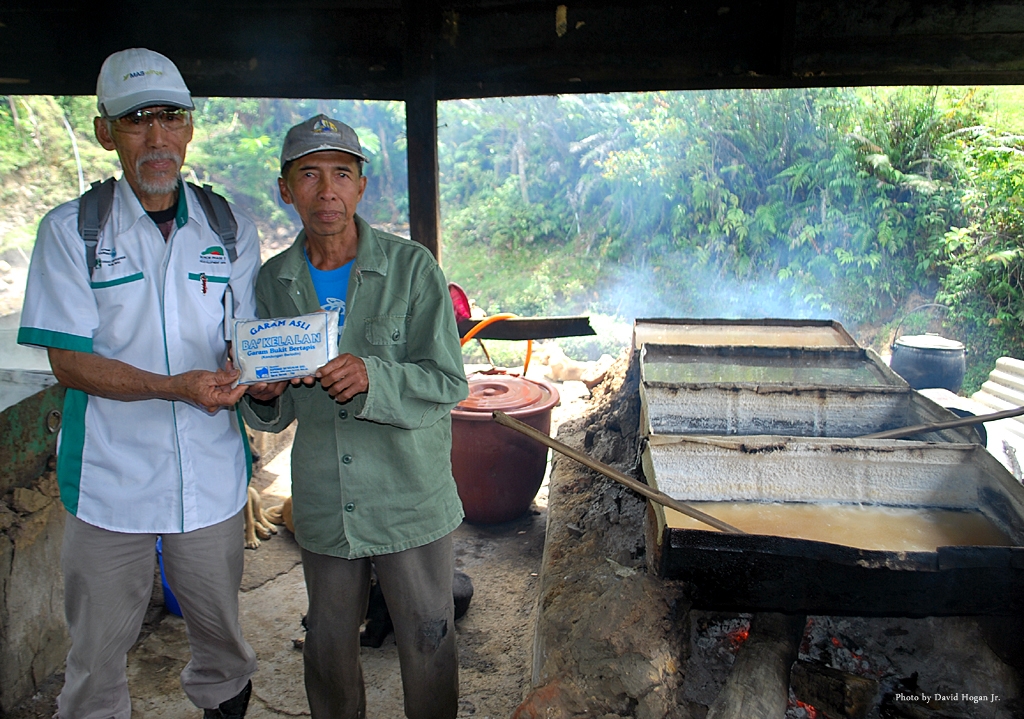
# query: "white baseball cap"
(136, 78)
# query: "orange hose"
(486, 322)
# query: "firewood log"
(758, 686)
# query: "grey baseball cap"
(317, 134)
(135, 78)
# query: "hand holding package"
(283, 348)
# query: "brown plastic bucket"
(498, 471)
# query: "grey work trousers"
(417, 586)
(108, 579)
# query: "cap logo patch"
(324, 125)
(142, 73)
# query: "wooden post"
(421, 128)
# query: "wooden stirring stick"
(639, 487)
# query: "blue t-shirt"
(331, 287)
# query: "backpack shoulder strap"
(219, 215)
(93, 212)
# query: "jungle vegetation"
(850, 204)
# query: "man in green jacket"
(371, 461)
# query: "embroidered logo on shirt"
(213, 255)
(108, 257)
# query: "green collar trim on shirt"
(131, 211)
(182, 215)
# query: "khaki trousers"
(108, 579)
(417, 585)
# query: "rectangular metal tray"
(746, 332)
(837, 392)
(781, 574)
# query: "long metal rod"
(949, 424)
(639, 487)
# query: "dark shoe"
(462, 592)
(233, 708)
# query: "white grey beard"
(158, 186)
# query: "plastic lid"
(506, 393)
(929, 342)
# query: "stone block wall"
(33, 635)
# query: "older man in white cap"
(127, 292)
(371, 463)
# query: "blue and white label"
(283, 348)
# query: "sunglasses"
(138, 122)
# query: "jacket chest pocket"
(386, 331)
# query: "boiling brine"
(891, 529)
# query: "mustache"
(158, 155)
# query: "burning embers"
(737, 636)
(864, 668)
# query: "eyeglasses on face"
(138, 122)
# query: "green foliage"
(818, 202)
(810, 189)
(237, 146)
(15, 143)
(983, 260)
(38, 164)
(519, 179)
(837, 202)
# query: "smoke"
(685, 288)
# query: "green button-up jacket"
(373, 475)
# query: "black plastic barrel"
(929, 360)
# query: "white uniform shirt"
(152, 465)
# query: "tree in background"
(238, 143)
(982, 259)
(39, 164)
(815, 197)
(236, 148)
(519, 183)
(835, 203)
